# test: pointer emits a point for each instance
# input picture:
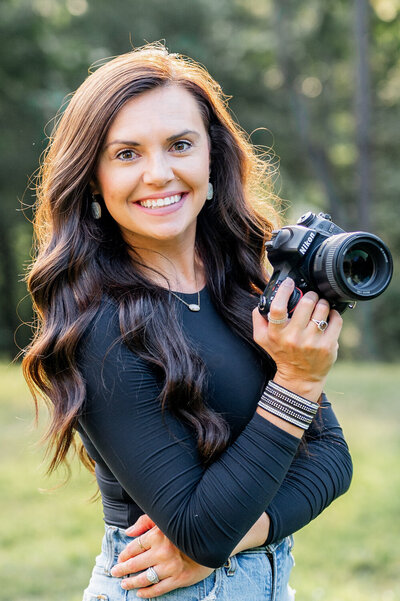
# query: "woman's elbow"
(210, 557)
(212, 561)
(205, 550)
(347, 470)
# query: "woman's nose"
(158, 170)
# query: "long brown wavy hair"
(78, 260)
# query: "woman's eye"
(126, 155)
(182, 145)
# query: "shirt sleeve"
(321, 472)
(205, 512)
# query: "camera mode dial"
(306, 219)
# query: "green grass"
(48, 540)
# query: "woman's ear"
(94, 188)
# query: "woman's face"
(153, 170)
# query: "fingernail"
(288, 282)
(129, 530)
(113, 570)
(311, 294)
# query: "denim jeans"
(258, 574)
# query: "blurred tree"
(368, 345)
(290, 69)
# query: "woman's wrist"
(308, 389)
(256, 536)
(293, 411)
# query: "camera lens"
(358, 266)
(352, 266)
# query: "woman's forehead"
(164, 110)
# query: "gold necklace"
(191, 306)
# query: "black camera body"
(318, 255)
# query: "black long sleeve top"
(147, 462)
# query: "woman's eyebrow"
(183, 133)
(169, 139)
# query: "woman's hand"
(303, 354)
(153, 549)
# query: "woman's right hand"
(151, 548)
(302, 353)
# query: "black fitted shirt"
(147, 462)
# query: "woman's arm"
(204, 512)
(320, 473)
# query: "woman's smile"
(162, 205)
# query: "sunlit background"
(317, 86)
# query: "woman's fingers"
(321, 310)
(305, 308)
(132, 549)
(141, 526)
(173, 568)
(279, 305)
(140, 544)
(161, 588)
(132, 565)
(334, 325)
(141, 580)
(319, 319)
(278, 311)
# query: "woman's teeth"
(161, 202)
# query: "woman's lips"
(163, 210)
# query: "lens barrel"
(352, 266)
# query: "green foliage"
(48, 540)
(290, 68)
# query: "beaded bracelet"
(288, 405)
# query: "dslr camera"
(318, 255)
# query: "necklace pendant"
(194, 307)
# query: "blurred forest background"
(316, 83)
(319, 82)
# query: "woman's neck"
(173, 265)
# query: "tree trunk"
(363, 112)
(9, 320)
(364, 165)
(316, 154)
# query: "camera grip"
(268, 296)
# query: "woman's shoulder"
(103, 343)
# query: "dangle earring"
(95, 207)
(210, 192)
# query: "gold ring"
(139, 542)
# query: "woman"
(190, 405)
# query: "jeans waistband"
(271, 548)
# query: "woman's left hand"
(151, 548)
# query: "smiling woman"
(151, 352)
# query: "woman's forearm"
(320, 472)
(256, 536)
